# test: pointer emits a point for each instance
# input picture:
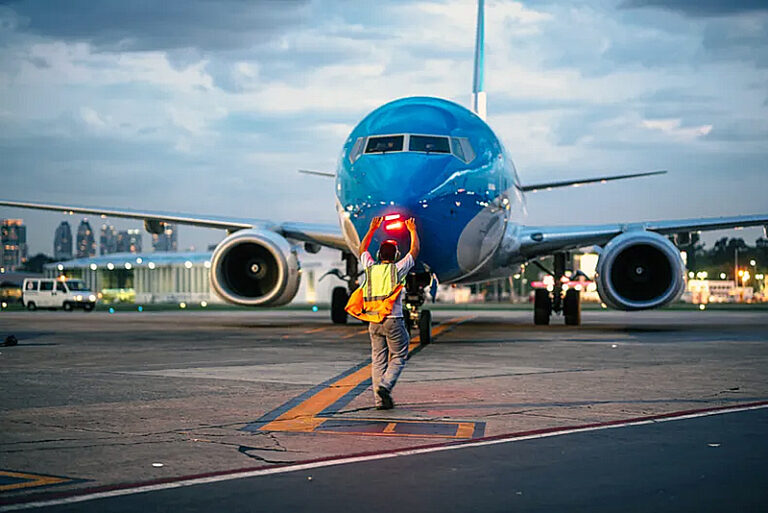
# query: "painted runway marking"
(355, 333)
(215, 477)
(10, 480)
(309, 412)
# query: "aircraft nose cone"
(402, 181)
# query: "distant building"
(175, 277)
(86, 243)
(166, 241)
(108, 240)
(62, 242)
(129, 241)
(13, 244)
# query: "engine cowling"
(255, 268)
(638, 271)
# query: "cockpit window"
(457, 150)
(429, 144)
(459, 147)
(356, 150)
(384, 144)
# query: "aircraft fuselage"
(464, 195)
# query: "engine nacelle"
(638, 271)
(255, 268)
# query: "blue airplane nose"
(400, 182)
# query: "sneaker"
(386, 399)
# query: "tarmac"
(268, 410)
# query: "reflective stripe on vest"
(380, 281)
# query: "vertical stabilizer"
(478, 84)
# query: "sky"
(212, 107)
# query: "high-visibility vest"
(374, 300)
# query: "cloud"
(146, 25)
(702, 8)
(211, 107)
(674, 128)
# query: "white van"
(49, 293)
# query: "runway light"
(182, 305)
(702, 306)
(207, 264)
(315, 308)
(188, 264)
(94, 267)
(204, 303)
(140, 309)
(151, 265)
(139, 260)
(752, 263)
(690, 274)
(3, 305)
(128, 265)
(722, 276)
(110, 266)
(60, 267)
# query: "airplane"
(441, 163)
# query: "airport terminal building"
(170, 277)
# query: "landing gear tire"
(31, 306)
(542, 307)
(425, 327)
(339, 298)
(572, 307)
(67, 307)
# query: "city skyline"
(218, 118)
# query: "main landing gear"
(415, 296)
(545, 302)
(340, 295)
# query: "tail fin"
(478, 84)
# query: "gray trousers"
(389, 350)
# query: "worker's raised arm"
(375, 223)
(415, 245)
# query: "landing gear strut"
(415, 296)
(340, 295)
(568, 304)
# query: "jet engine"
(638, 271)
(255, 268)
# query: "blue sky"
(211, 107)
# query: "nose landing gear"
(415, 297)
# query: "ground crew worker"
(383, 290)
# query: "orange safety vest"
(374, 300)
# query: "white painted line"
(359, 459)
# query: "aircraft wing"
(324, 235)
(538, 241)
(583, 181)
